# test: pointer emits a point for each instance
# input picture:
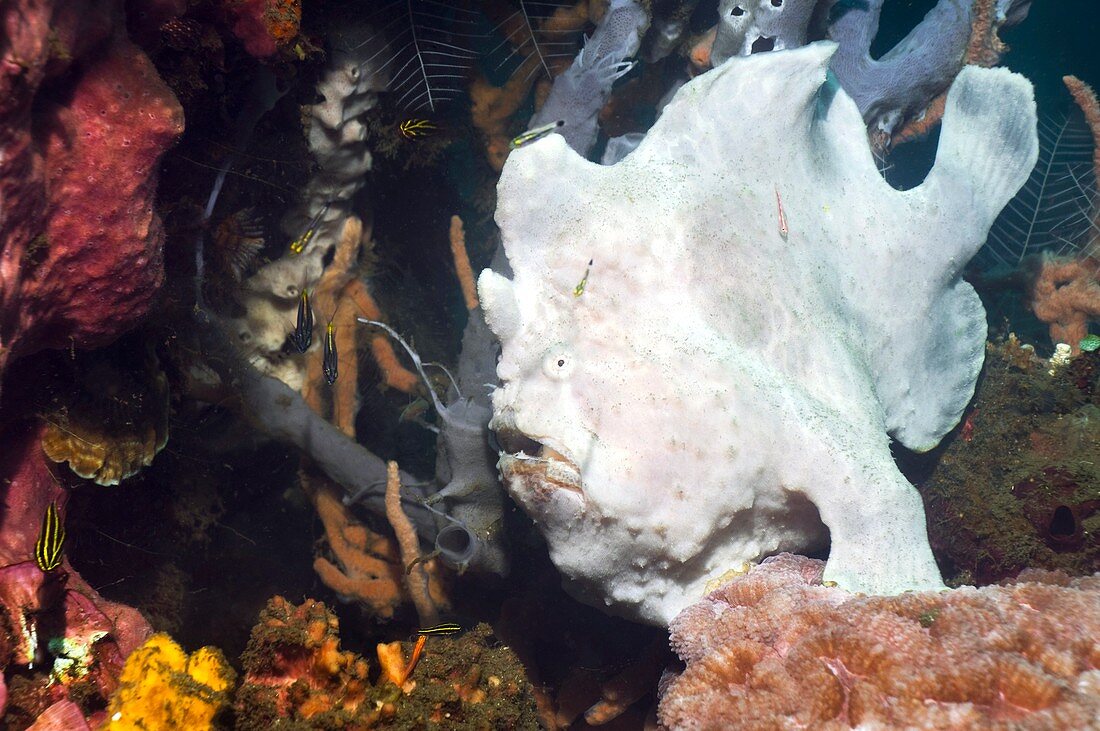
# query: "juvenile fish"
(782, 216)
(535, 134)
(579, 289)
(413, 129)
(303, 331)
(48, 549)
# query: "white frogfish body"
(710, 389)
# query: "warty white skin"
(720, 392)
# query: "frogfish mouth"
(533, 469)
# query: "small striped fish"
(412, 129)
(330, 363)
(51, 540)
(447, 628)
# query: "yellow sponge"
(162, 688)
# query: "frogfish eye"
(558, 364)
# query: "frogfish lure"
(303, 330)
(298, 245)
(782, 216)
(51, 540)
(413, 129)
(579, 289)
(535, 134)
(330, 361)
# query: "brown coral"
(113, 420)
(776, 649)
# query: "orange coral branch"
(629, 686)
(984, 47)
(368, 567)
(462, 263)
(394, 374)
(1086, 99)
(916, 128)
(416, 579)
(1066, 295)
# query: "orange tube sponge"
(162, 687)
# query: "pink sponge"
(81, 245)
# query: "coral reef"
(265, 26)
(365, 565)
(1019, 485)
(1065, 294)
(777, 649)
(611, 373)
(162, 687)
(295, 671)
(52, 621)
(81, 243)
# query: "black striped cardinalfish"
(303, 331)
(48, 549)
(412, 129)
(330, 362)
(298, 245)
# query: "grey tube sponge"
(743, 25)
(900, 84)
(580, 93)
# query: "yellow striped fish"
(535, 134)
(51, 540)
(447, 628)
(330, 363)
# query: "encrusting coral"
(106, 412)
(162, 687)
(1017, 485)
(776, 649)
(296, 672)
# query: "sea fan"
(427, 51)
(543, 34)
(1056, 209)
